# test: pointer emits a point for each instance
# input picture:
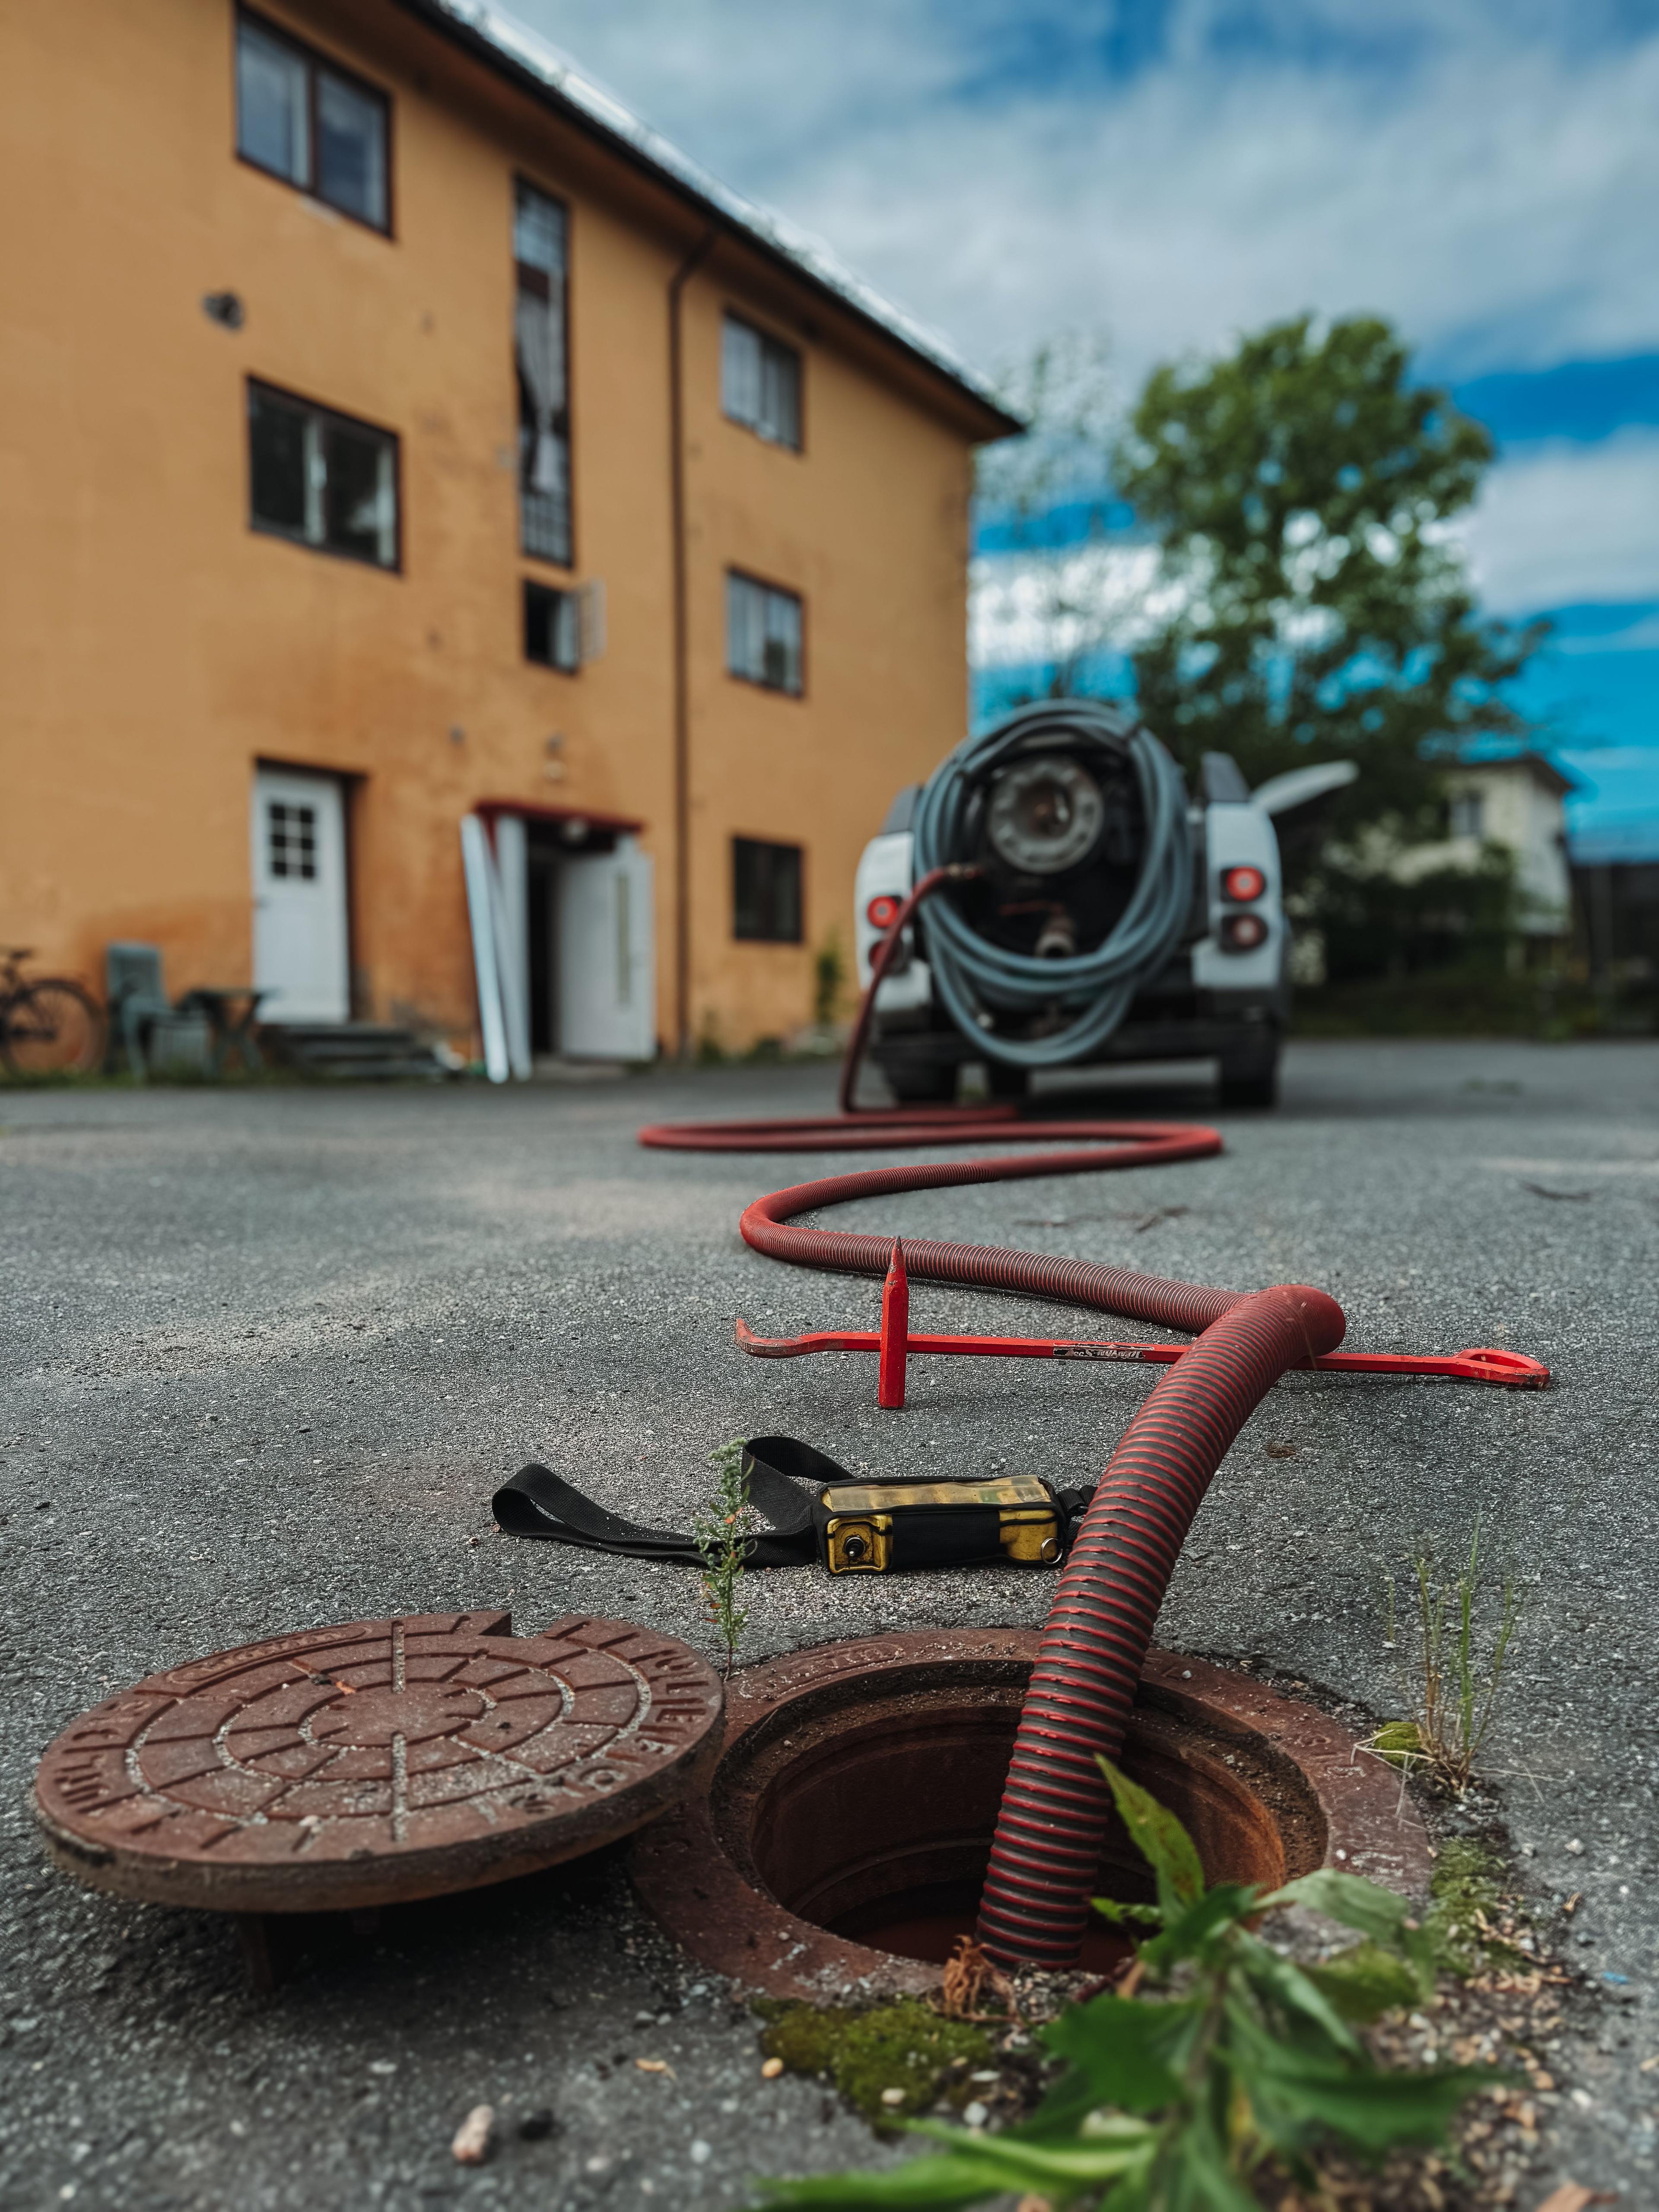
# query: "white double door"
(301, 951)
(604, 930)
(600, 963)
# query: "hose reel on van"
(1107, 917)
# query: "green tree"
(1309, 605)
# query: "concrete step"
(376, 1052)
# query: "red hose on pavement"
(1055, 1806)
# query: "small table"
(232, 1031)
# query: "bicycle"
(49, 1025)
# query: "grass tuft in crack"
(1241, 2067)
(1459, 1660)
(721, 1533)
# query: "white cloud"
(1562, 525)
(1027, 608)
(1568, 524)
(1483, 180)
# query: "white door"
(607, 969)
(299, 947)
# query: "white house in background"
(1514, 800)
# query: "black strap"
(536, 1502)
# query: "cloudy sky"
(1171, 172)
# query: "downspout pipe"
(676, 284)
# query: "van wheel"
(1249, 1078)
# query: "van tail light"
(1243, 932)
(883, 910)
(1242, 885)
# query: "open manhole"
(843, 1841)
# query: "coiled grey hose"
(975, 977)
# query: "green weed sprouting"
(828, 973)
(1456, 1684)
(1181, 2099)
(721, 1535)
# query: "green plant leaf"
(1365, 1906)
(1287, 1987)
(1370, 2109)
(1149, 1916)
(1117, 2047)
(928, 2185)
(978, 2166)
(1367, 1980)
(1160, 1839)
(1194, 2176)
(1223, 1906)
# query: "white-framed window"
(763, 633)
(323, 479)
(760, 383)
(1468, 814)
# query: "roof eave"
(995, 420)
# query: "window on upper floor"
(760, 383)
(311, 123)
(540, 331)
(552, 626)
(320, 478)
(766, 905)
(763, 633)
(1466, 815)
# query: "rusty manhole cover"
(379, 1761)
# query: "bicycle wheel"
(51, 1028)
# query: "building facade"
(395, 431)
(1513, 800)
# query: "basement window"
(766, 904)
(763, 633)
(300, 118)
(760, 383)
(552, 626)
(322, 479)
(540, 333)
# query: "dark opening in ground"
(871, 1814)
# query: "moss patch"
(1471, 1915)
(895, 2046)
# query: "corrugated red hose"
(1055, 1806)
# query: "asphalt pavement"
(269, 1350)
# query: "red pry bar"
(894, 1344)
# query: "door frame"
(513, 881)
(352, 782)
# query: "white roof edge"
(540, 58)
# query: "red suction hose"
(1055, 1806)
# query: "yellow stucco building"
(394, 431)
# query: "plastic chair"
(137, 999)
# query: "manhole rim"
(690, 1883)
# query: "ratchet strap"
(788, 1482)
